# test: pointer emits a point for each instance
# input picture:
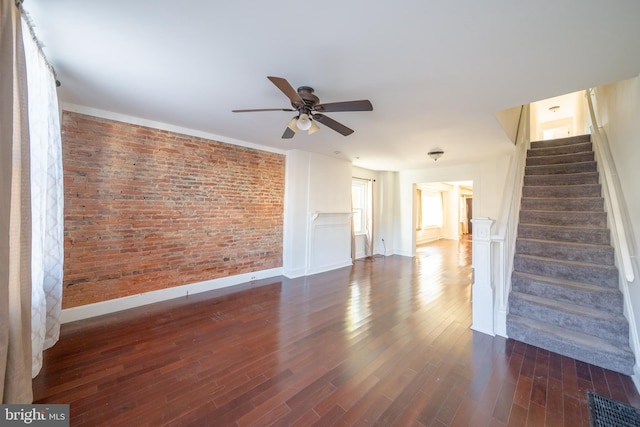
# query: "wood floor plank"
(554, 415)
(385, 342)
(522, 395)
(517, 417)
(572, 412)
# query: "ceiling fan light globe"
(314, 128)
(293, 124)
(304, 122)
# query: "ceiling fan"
(309, 109)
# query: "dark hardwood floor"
(386, 342)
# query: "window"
(429, 209)
(359, 205)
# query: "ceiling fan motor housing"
(310, 100)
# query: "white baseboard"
(329, 267)
(428, 240)
(293, 273)
(132, 301)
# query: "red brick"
(148, 209)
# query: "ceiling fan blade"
(329, 122)
(288, 133)
(262, 109)
(361, 105)
(287, 89)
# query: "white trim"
(431, 239)
(132, 301)
(74, 108)
(636, 376)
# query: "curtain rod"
(29, 22)
(364, 179)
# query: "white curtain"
(369, 219)
(46, 201)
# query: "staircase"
(565, 296)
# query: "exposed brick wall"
(147, 209)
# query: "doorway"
(443, 210)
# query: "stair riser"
(561, 169)
(561, 179)
(616, 332)
(595, 275)
(587, 236)
(585, 204)
(585, 354)
(560, 142)
(607, 299)
(563, 191)
(593, 255)
(583, 219)
(560, 149)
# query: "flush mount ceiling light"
(435, 154)
(554, 108)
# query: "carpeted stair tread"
(581, 190)
(578, 234)
(577, 345)
(577, 167)
(559, 218)
(560, 159)
(595, 274)
(577, 139)
(562, 179)
(613, 326)
(574, 263)
(563, 204)
(573, 309)
(569, 251)
(579, 147)
(600, 297)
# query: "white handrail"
(601, 146)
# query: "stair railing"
(609, 179)
(505, 239)
(614, 206)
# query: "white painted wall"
(619, 114)
(315, 183)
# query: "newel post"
(482, 299)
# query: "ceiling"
(436, 72)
